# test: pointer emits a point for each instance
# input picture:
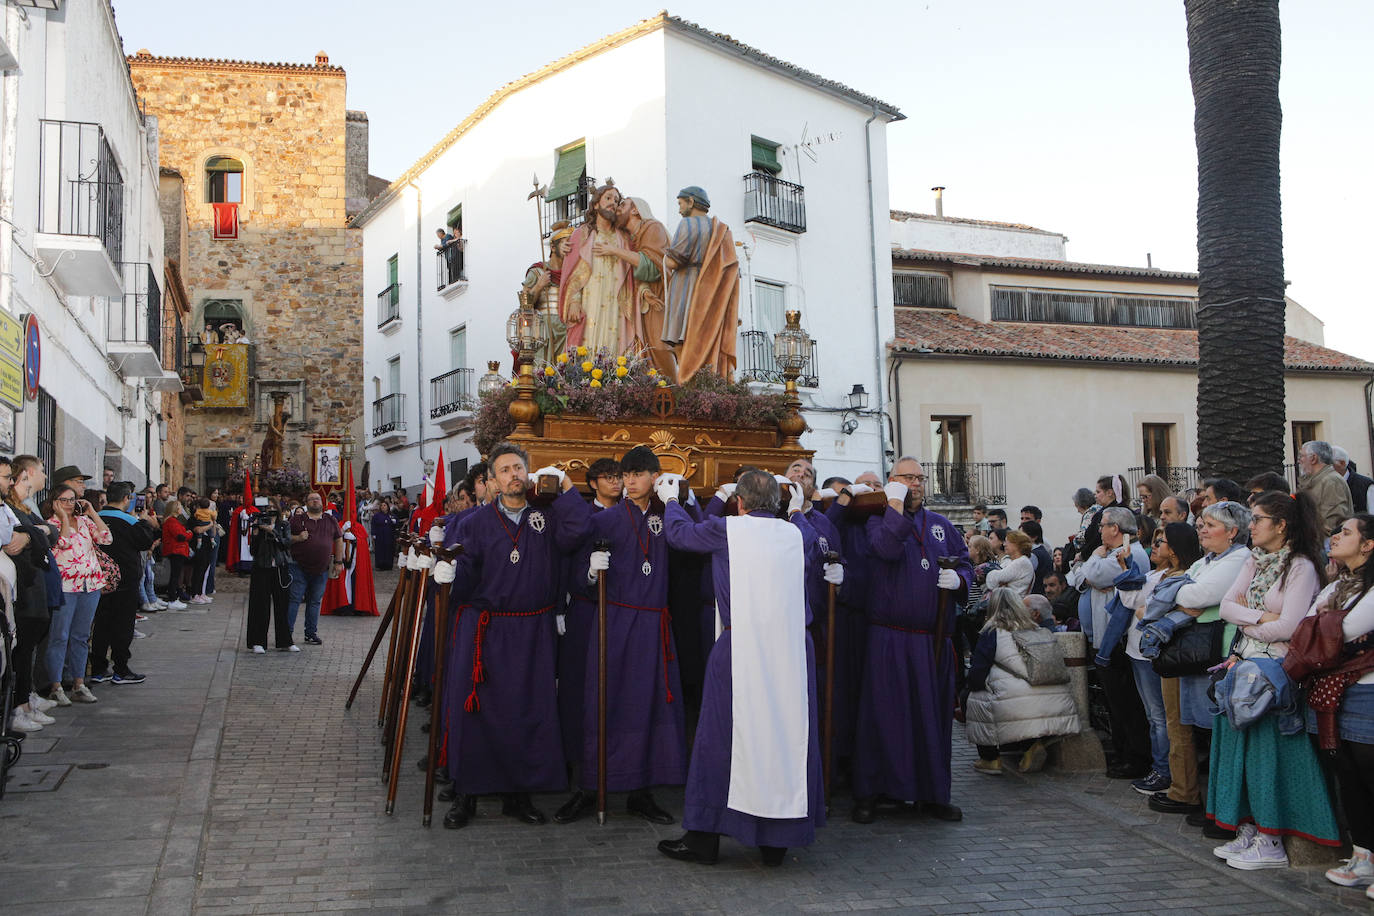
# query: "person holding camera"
(270, 581)
(80, 529)
(130, 534)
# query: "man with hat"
(703, 289)
(540, 291)
(70, 476)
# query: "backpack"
(1044, 660)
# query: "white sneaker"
(40, 717)
(201, 599)
(1265, 852)
(139, 634)
(42, 704)
(176, 606)
(20, 722)
(1356, 870)
(83, 694)
(160, 604)
(293, 648)
(259, 650)
(149, 606)
(1244, 837)
(59, 696)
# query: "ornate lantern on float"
(493, 381)
(526, 332)
(792, 352)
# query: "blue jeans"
(147, 593)
(307, 587)
(69, 635)
(1151, 691)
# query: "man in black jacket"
(1358, 483)
(114, 618)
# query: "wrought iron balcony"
(774, 202)
(134, 323)
(448, 263)
(389, 305)
(965, 483)
(1186, 477)
(388, 415)
(451, 393)
(80, 207)
(757, 363)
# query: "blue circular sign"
(33, 357)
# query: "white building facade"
(81, 246)
(794, 163)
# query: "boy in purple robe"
(906, 705)
(500, 699)
(646, 739)
(712, 806)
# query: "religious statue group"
(618, 283)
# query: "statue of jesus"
(596, 291)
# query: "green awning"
(567, 175)
(765, 155)
(223, 164)
(455, 217)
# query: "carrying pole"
(440, 656)
(412, 646)
(601, 688)
(828, 727)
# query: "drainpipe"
(419, 325)
(877, 314)
(8, 144)
(1369, 417)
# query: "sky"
(1069, 115)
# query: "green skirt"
(1272, 779)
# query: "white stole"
(769, 702)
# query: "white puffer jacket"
(1009, 709)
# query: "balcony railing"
(1186, 477)
(388, 414)
(80, 188)
(448, 263)
(388, 305)
(176, 360)
(965, 483)
(451, 393)
(774, 202)
(136, 318)
(757, 363)
(572, 208)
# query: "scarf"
(1268, 567)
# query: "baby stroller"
(11, 744)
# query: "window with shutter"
(569, 173)
(764, 154)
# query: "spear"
(537, 195)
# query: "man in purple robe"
(722, 787)
(906, 703)
(500, 698)
(646, 738)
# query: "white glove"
(409, 561)
(445, 571)
(562, 622)
(859, 489)
(691, 497)
(551, 470)
(725, 492)
(600, 561)
(798, 500)
(897, 491)
(949, 579)
(782, 481)
(436, 536)
(423, 561)
(666, 487)
(834, 573)
(826, 493)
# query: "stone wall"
(355, 157)
(295, 267)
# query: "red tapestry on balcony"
(226, 221)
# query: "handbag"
(109, 569)
(1044, 660)
(1192, 650)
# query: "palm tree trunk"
(1233, 53)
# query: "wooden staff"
(942, 624)
(406, 585)
(441, 555)
(412, 646)
(828, 728)
(398, 694)
(377, 640)
(601, 688)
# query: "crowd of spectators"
(1229, 632)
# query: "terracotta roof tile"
(941, 331)
(1039, 264)
(146, 58)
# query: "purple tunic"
(708, 778)
(646, 739)
(902, 747)
(500, 695)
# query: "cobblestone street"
(234, 784)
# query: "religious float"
(623, 337)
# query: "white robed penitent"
(769, 700)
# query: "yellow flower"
(596, 373)
(621, 372)
(581, 351)
(595, 383)
(620, 360)
(550, 371)
(662, 383)
(587, 366)
(653, 372)
(562, 358)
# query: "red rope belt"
(479, 671)
(893, 626)
(665, 637)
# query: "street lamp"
(791, 352)
(493, 381)
(526, 332)
(858, 403)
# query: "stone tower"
(263, 153)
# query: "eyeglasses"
(66, 499)
(909, 477)
(1261, 518)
